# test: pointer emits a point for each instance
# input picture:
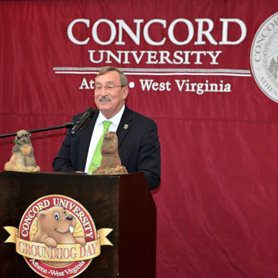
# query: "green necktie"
(96, 159)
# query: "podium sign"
(62, 225)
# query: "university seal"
(264, 57)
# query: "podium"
(122, 203)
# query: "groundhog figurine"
(23, 158)
(56, 225)
(110, 162)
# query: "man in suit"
(138, 142)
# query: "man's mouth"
(104, 100)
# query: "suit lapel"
(86, 138)
(124, 126)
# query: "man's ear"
(125, 91)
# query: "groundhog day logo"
(57, 237)
(264, 57)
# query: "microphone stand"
(66, 125)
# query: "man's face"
(109, 95)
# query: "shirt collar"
(114, 120)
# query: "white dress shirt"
(97, 132)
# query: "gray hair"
(123, 78)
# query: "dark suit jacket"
(139, 147)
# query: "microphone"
(82, 120)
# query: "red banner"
(205, 71)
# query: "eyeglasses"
(107, 87)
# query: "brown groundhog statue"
(111, 162)
(23, 158)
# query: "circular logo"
(264, 57)
(57, 237)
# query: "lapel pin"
(126, 126)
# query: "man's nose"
(103, 91)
